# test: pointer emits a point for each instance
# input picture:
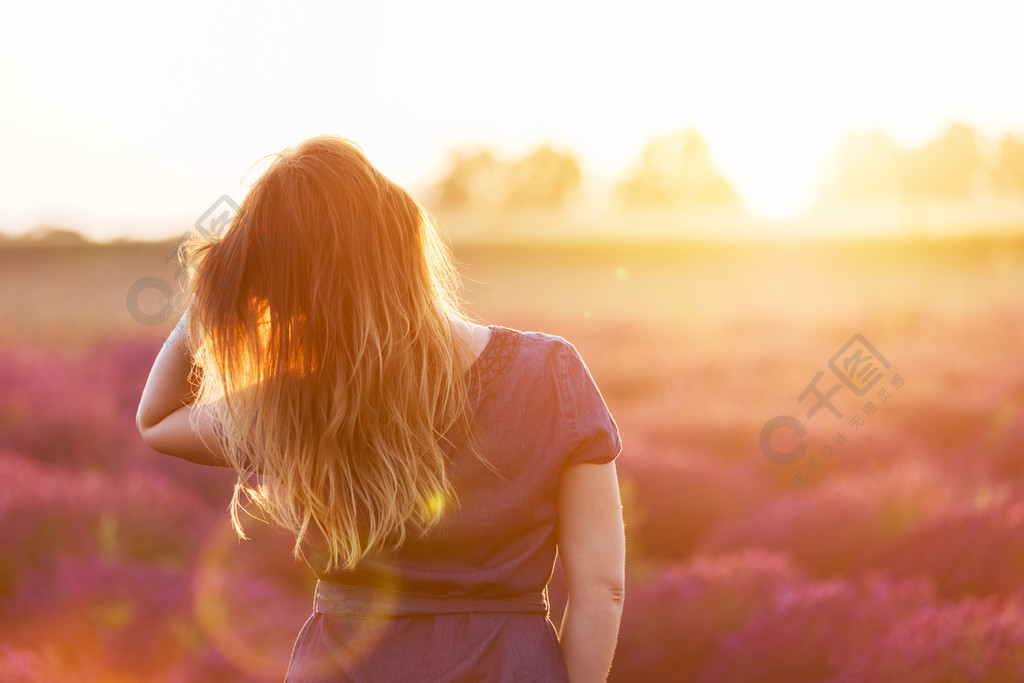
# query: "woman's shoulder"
(536, 344)
(559, 369)
(533, 356)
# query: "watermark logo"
(770, 439)
(858, 364)
(152, 300)
(165, 302)
(216, 219)
(860, 367)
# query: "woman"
(427, 465)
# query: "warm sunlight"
(740, 280)
(770, 87)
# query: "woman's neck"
(472, 340)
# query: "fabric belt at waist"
(364, 601)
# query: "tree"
(946, 167)
(545, 177)
(475, 177)
(867, 167)
(675, 169)
(871, 166)
(1009, 167)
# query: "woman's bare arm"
(167, 404)
(591, 543)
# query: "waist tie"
(367, 602)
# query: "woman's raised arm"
(166, 406)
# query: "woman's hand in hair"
(167, 409)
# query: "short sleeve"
(595, 436)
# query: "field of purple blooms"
(892, 550)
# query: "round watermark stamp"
(780, 432)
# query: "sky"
(127, 119)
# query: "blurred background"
(720, 204)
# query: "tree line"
(677, 169)
(959, 164)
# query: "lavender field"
(893, 550)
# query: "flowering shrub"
(974, 549)
(118, 619)
(672, 621)
(37, 664)
(60, 408)
(47, 514)
(839, 526)
(810, 631)
(117, 563)
(669, 506)
(973, 640)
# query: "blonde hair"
(321, 326)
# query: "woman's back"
(319, 359)
(536, 409)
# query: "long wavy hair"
(321, 328)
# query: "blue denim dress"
(468, 601)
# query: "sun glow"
(771, 87)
